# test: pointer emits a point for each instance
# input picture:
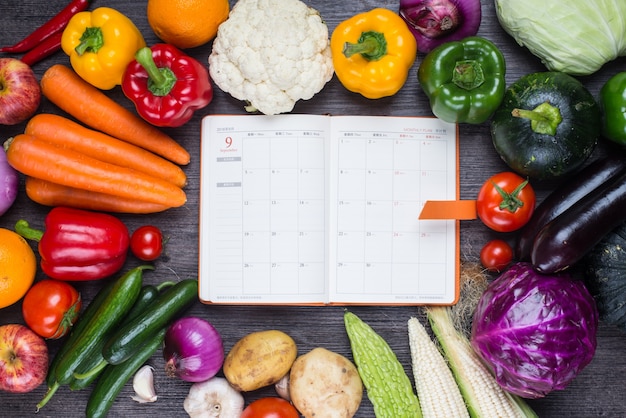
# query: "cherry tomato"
(146, 243)
(496, 255)
(50, 308)
(505, 202)
(270, 407)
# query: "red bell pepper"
(166, 85)
(79, 244)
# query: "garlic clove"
(282, 388)
(143, 384)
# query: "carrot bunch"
(120, 163)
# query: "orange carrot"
(38, 158)
(52, 194)
(63, 87)
(67, 133)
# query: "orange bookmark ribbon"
(449, 209)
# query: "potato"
(259, 359)
(326, 384)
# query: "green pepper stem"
(23, 228)
(468, 74)
(90, 41)
(371, 45)
(160, 80)
(544, 119)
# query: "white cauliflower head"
(271, 53)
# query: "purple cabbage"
(434, 22)
(535, 332)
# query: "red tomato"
(146, 243)
(496, 255)
(505, 202)
(271, 407)
(50, 308)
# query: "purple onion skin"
(434, 22)
(193, 350)
(9, 182)
(535, 332)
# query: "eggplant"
(571, 235)
(565, 195)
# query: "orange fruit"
(186, 23)
(17, 267)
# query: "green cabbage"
(576, 37)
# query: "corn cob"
(388, 387)
(437, 391)
(482, 394)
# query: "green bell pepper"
(613, 104)
(464, 80)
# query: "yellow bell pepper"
(100, 44)
(373, 53)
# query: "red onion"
(434, 22)
(193, 350)
(9, 182)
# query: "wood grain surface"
(597, 392)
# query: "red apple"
(20, 93)
(23, 359)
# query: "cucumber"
(92, 367)
(130, 337)
(565, 195)
(114, 377)
(570, 236)
(78, 329)
(147, 296)
(108, 315)
(75, 333)
(388, 386)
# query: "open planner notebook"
(314, 209)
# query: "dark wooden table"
(597, 391)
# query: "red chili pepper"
(48, 47)
(56, 24)
(166, 85)
(79, 244)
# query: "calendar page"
(312, 209)
(383, 170)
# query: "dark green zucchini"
(526, 131)
(565, 195)
(114, 377)
(571, 235)
(132, 335)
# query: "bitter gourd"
(388, 386)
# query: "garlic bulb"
(213, 398)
